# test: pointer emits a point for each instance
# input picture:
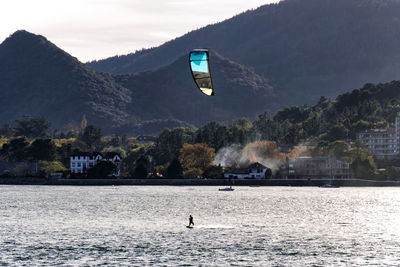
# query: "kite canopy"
(200, 67)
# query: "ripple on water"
(263, 226)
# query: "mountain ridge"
(37, 76)
(39, 79)
(307, 48)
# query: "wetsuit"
(191, 220)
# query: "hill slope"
(308, 48)
(39, 79)
(171, 92)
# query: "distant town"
(83, 152)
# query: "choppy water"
(252, 226)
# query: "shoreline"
(198, 182)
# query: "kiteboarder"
(191, 221)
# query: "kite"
(200, 68)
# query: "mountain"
(307, 48)
(169, 92)
(39, 79)
(370, 107)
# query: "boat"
(226, 189)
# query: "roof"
(110, 155)
(107, 155)
(246, 170)
(86, 154)
(257, 165)
(379, 131)
(240, 171)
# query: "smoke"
(229, 156)
(264, 152)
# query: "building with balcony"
(315, 167)
(81, 162)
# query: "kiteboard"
(190, 227)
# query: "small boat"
(226, 189)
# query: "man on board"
(191, 220)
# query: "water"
(251, 226)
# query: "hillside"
(372, 106)
(39, 79)
(170, 92)
(307, 48)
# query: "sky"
(97, 29)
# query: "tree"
(83, 123)
(42, 149)
(7, 130)
(265, 127)
(337, 132)
(91, 136)
(140, 171)
(214, 172)
(363, 168)
(214, 135)
(15, 150)
(32, 127)
(102, 169)
(240, 130)
(64, 152)
(193, 173)
(160, 171)
(174, 169)
(48, 167)
(362, 163)
(129, 162)
(339, 149)
(196, 156)
(170, 142)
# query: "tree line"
(187, 152)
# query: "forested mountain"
(169, 92)
(372, 106)
(39, 79)
(307, 48)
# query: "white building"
(81, 162)
(254, 171)
(383, 143)
(319, 167)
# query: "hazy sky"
(96, 29)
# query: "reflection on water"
(45, 225)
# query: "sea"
(250, 226)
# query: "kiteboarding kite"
(200, 67)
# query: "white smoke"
(236, 156)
